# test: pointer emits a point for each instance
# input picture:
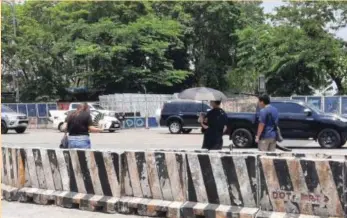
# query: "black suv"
(297, 120)
(181, 116)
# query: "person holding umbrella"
(214, 124)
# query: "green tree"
(315, 19)
(211, 41)
(71, 44)
(295, 52)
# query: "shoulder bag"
(279, 137)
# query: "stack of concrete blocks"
(146, 104)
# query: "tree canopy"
(118, 46)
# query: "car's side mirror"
(308, 112)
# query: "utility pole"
(146, 118)
(14, 23)
(261, 84)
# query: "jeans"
(82, 141)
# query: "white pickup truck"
(102, 118)
(93, 106)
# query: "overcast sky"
(269, 6)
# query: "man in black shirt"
(214, 126)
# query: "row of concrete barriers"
(179, 183)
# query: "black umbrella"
(202, 94)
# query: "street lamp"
(11, 3)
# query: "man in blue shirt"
(268, 120)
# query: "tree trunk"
(338, 82)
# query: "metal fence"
(142, 105)
(146, 105)
(36, 112)
(39, 110)
(328, 104)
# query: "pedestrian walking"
(214, 124)
(79, 124)
(267, 129)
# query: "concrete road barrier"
(302, 186)
(84, 178)
(262, 153)
(181, 150)
(179, 183)
(216, 181)
(152, 181)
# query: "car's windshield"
(314, 108)
(6, 109)
(98, 107)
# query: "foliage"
(296, 52)
(167, 46)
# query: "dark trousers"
(213, 141)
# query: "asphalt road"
(135, 139)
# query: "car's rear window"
(175, 107)
(191, 107)
(171, 107)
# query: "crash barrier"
(86, 178)
(306, 186)
(255, 152)
(177, 184)
(216, 182)
(153, 183)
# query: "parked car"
(107, 123)
(297, 120)
(96, 106)
(11, 120)
(181, 116)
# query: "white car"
(107, 123)
(93, 106)
(11, 120)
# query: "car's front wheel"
(4, 129)
(329, 138)
(20, 130)
(61, 127)
(111, 130)
(175, 127)
(242, 138)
